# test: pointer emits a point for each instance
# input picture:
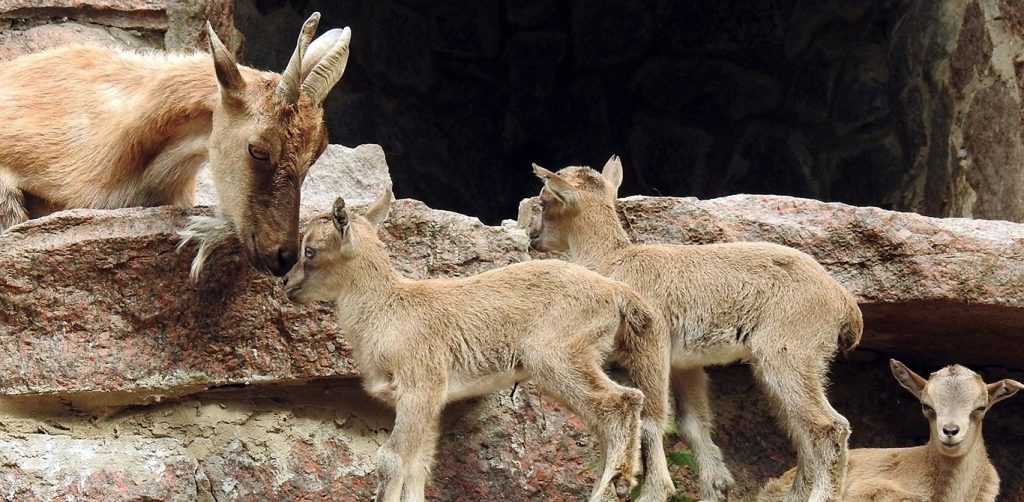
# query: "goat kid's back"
(730, 292)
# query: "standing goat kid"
(422, 344)
(93, 127)
(952, 467)
(769, 305)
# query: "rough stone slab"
(312, 442)
(18, 43)
(121, 5)
(98, 301)
(933, 289)
(147, 14)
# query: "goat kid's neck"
(958, 478)
(367, 284)
(596, 237)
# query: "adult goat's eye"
(310, 253)
(926, 408)
(258, 153)
(980, 409)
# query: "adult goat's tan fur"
(769, 305)
(422, 343)
(952, 467)
(93, 127)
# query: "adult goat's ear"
(381, 208)
(228, 76)
(612, 173)
(1002, 390)
(908, 379)
(557, 185)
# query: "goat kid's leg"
(819, 432)
(419, 471)
(400, 462)
(648, 367)
(12, 202)
(695, 422)
(618, 410)
(609, 409)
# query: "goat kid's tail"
(644, 352)
(852, 330)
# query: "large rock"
(952, 282)
(96, 312)
(105, 291)
(97, 301)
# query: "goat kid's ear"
(224, 65)
(561, 189)
(1002, 390)
(339, 215)
(612, 172)
(381, 208)
(908, 379)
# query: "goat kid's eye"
(310, 253)
(258, 153)
(979, 409)
(926, 408)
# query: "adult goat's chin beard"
(209, 232)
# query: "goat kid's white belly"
(683, 357)
(467, 386)
(459, 386)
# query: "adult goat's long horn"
(291, 78)
(330, 52)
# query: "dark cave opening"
(699, 99)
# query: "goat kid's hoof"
(622, 488)
(720, 492)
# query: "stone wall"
(958, 66)
(28, 26)
(120, 380)
(908, 105)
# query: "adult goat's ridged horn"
(331, 52)
(291, 78)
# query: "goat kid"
(420, 344)
(92, 127)
(952, 467)
(769, 305)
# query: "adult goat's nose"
(286, 258)
(950, 430)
